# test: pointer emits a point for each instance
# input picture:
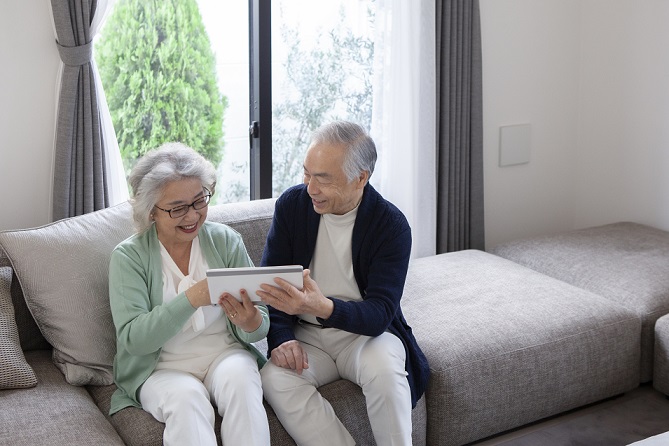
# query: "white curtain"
(404, 114)
(117, 188)
(118, 185)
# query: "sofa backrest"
(251, 219)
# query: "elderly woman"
(176, 353)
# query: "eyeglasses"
(182, 210)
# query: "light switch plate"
(514, 144)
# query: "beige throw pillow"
(15, 372)
(63, 270)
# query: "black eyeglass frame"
(195, 205)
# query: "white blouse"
(205, 335)
(175, 282)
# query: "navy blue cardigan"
(381, 245)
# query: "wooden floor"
(634, 416)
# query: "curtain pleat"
(404, 114)
(80, 182)
(460, 223)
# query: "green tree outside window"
(159, 72)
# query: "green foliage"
(329, 81)
(159, 75)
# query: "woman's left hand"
(243, 314)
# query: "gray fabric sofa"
(507, 345)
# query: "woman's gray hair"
(172, 161)
(360, 148)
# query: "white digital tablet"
(231, 280)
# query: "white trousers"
(183, 403)
(375, 364)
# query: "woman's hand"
(243, 314)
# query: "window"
(203, 71)
(322, 70)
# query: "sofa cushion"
(15, 373)
(53, 412)
(625, 262)
(63, 271)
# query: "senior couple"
(178, 356)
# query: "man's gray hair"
(171, 161)
(360, 148)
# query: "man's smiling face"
(327, 185)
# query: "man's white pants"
(375, 364)
(183, 403)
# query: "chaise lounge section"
(508, 346)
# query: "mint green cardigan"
(143, 323)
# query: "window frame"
(260, 101)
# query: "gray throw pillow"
(15, 372)
(63, 270)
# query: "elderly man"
(346, 321)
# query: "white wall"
(530, 75)
(590, 76)
(27, 110)
(623, 145)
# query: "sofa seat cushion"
(15, 373)
(138, 428)
(53, 412)
(508, 346)
(625, 262)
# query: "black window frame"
(260, 101)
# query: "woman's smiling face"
(173, 231)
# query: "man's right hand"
(290, 355)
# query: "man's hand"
(290, 355)
(285, 297)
